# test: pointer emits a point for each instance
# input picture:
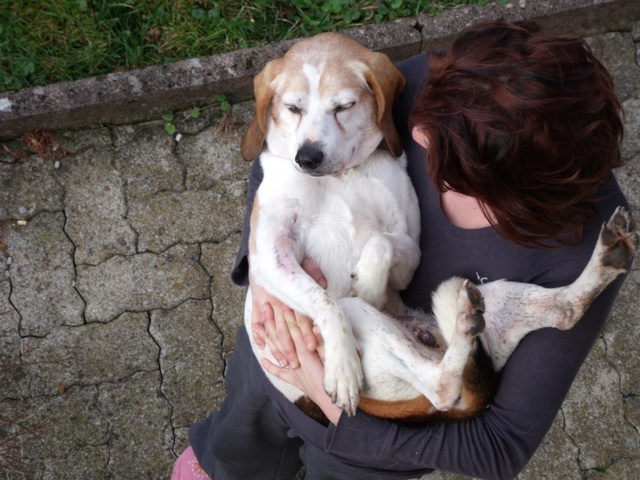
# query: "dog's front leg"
(387, 260)
(371, 274)
(276, 263)
(343, 378)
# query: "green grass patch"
(48, 41)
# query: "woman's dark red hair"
(524, 121)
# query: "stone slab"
(142, 282)
(42, 274)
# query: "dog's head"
(325, 105)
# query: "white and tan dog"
(335, 190)
(330, 193)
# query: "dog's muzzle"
(310, 156)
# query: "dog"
(335, 190)
(323, 110)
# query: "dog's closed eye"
(294, 109)
(343, 107)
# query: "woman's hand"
(268, 308)
(309, 376)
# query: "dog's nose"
(310, 156)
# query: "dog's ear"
(387, 83)
(263, 90)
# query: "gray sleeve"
(240, 271)
(498, 443)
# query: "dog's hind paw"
(470, 310)
(619, 240)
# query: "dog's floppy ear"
(387, 83)
(263, 90)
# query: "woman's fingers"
(271, 340)
(305, 324)
(313, 270)
(257, 324)
(258, 315)
(260, 309)
(283, 323)
(281, 372)
(269, 312)
(288, 372)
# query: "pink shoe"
(188, 468)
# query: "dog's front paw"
(343, 380)
(619, 240)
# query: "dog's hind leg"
(406, 257)
(434, 368)
(614, 251)
(515, 309)
(458, 308)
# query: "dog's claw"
(619, 239)
(344, 382)
(471, 306)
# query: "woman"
(522, 131)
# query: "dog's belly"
(372, 330)
(335, 248)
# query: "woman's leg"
(247, 437)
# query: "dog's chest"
(336, 226)
(340, 216)
(331, 218)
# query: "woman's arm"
(498, 443)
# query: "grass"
(48, 41)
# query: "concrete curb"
(145, 94)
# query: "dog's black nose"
(310, 156)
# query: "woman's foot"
(188, 468)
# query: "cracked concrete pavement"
(117, 311)
(116, 305)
